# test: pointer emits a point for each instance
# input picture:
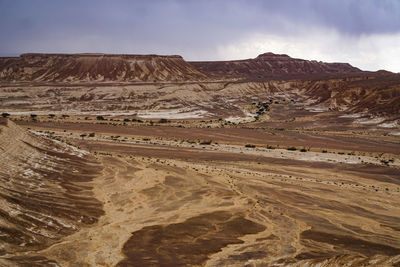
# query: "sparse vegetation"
(384, 161)
(250, 146)
(205, 142)
(100, 118)
(5, 114)
(292, 148)
(163, 121)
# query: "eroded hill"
(97, 67)
(45, 192)
(269, 65)
(152, 86)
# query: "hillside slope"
(97, 67)
(269, 65)
(44, 193)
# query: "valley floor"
(176, 203)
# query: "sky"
(364, 33)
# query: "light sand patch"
(369, 120)
(173, 114)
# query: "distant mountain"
(211, 85)
(156, 68)
(97, 67)
(271, 65)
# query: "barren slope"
(45, 192)
(96, 67)
(271, 65)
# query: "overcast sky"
(365, 33)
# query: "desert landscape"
(148, 160)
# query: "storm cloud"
(365, 33)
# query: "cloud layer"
(362, 32)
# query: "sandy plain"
(172, 199)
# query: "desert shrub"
(292, 148)
(324, 151)
(205, 142)
(33, 116)
(341, 153)
(91, 135)
(100, 118)
(270, 147)
(83, 136)
(250, 146)
(163, 121)
(386, 162)
(5, 115)
(127, 120)
(303, 150)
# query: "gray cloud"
(194, 29)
